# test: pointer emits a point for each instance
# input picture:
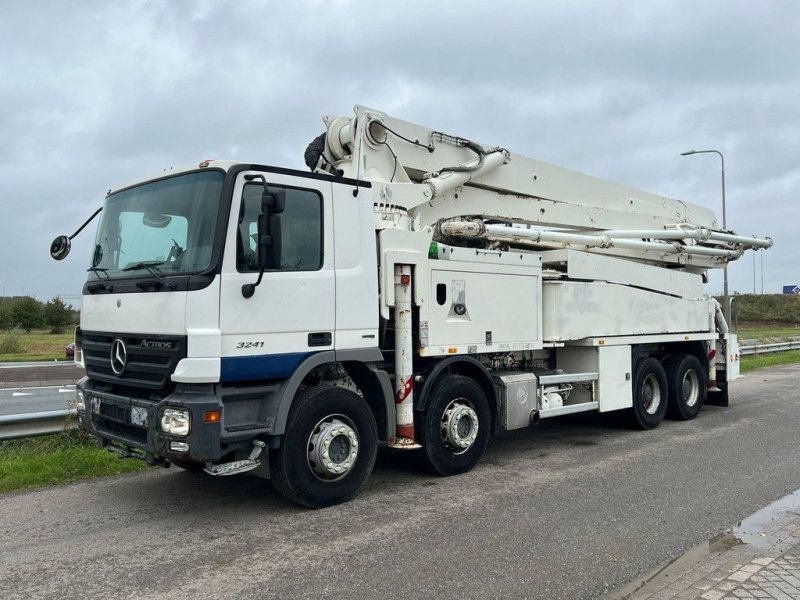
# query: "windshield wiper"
(144, 264)
(151, 266)
(100, 286)
(99, 270)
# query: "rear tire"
(328, 450)
(649, 395)
(686, 384)
(454, 429)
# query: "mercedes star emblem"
(119, 356)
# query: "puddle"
(755, 529)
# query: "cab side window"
(301, 230)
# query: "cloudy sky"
(96, 94)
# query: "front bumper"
(134, 423)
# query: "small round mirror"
(60, 247)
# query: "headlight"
(80, 401)
(175, 421)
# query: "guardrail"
(38, 423)
(765, 348)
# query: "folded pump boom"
(471, 194)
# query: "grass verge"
(38, 344)
(58, 458)
(767, 333)
(774, 359)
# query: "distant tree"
(26, 312)
(6, 320)
(57, 315)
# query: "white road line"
(20, 394)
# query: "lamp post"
(726, 309)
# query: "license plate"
(114, 412)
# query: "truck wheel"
(454, 429)
(686, 385)
(649, 395)
(328, 450)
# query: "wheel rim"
(459, 426)
(332, 448)
(690, 388)
(651, 394)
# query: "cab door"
(291, 315)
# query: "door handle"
(320, 338)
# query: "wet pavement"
(759, 558)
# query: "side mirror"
(60, 247)
(273, 201)
(269, 235)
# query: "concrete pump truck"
(414, 289)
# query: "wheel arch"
(467, 367)
(373, 383)
(696, 349)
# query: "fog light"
(175, 421)
(179, 446)
(80, 402)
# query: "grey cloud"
(93, 95)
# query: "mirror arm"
(89, 220)
(248, 289)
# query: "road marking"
(62, 390)
(20, 394)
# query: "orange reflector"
(405, 279)
(601, 342)
(212, 416)
(452, 350)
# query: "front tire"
(649, 395)
(454, 429)
(687, 385)
(328, 450)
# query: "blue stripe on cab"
(265, 366)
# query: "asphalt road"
(39, 373)
(570, 509)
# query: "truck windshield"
(166, 226)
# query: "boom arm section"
(440, 179)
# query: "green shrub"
(11, 342)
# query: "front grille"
(151, 359)
(112, 411)
(131, 433)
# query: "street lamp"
(725, 305)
